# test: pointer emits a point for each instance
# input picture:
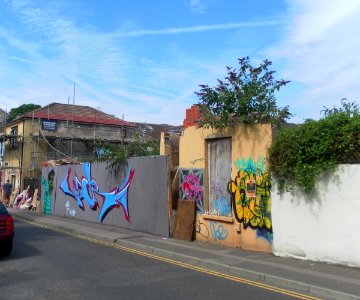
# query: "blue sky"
(145, 59)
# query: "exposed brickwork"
(192, 116)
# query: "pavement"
(321, 280)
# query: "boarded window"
(219, 166)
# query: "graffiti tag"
(201, 228)
(216, 187)
(222, 205)
(218, 232)
(68, 210)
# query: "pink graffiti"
(191, 187)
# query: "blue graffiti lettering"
(116, 198)
(219, 232)
(86, 189)
(222, 205)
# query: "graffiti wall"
(216, 229)
(247, 222)
(192, 186)
(236, 209)
(135, 197)
(250, 191)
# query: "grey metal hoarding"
(136, 197)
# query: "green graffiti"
(49, 185)
(251, 166)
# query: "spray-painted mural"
(49, 186)
(192, 186)
(86, 188)
(141, 196)
(250, 192)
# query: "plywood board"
(184, 220)
(219, 166)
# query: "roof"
(76, 113)
(154, 130)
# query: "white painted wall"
(324, 226)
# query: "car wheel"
(7, 248)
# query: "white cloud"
(199, 28)
(141, 107)
(64, 54)
(313, 19)
(321, 53)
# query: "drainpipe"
(22, 156)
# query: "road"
(50, 265)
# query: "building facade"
(225, 173)
(56, 132)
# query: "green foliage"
(299, 155)
(117, 155)
(22, 109)
(246, 96)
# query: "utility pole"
(72, 134)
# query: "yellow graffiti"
(253, 212)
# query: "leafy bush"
(117, 155)
(245, 96)
(299, 155)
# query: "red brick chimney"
(192, 116)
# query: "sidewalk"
(317, 279)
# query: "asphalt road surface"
(49, 265)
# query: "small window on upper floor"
(13, 138)
(2, 148)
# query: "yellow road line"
(177, 263)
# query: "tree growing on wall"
(20, 110)
(245, 96)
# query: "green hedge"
(299, 155)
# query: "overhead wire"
(58, 151)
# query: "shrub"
(299, 155)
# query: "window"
(2, 149)
(13, 138)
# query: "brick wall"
(192, 116)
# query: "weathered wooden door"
(219, 166)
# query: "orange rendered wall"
(249, 145)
